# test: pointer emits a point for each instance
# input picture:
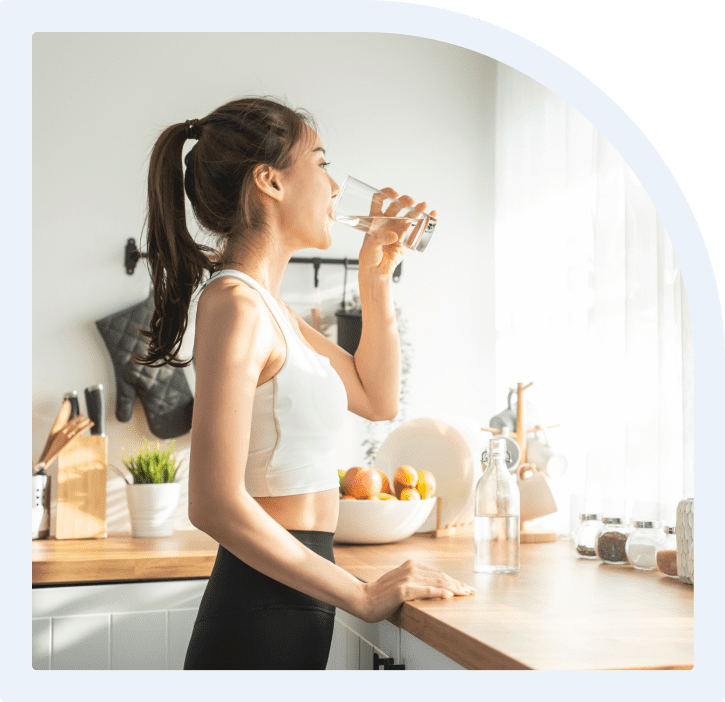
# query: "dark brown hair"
(219, 182)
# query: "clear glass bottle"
(666, 556)
(585, 535)
(642, 543)
(496, 521)
(611, 540)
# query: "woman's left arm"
(372, 376)
(377, 358)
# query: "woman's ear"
(267, 181)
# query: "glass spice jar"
(611, 540)
(666, 556)
(641, 545)
(585, 535)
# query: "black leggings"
(248, 621)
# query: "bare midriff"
(313, 511)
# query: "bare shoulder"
(231, 320)
(228, 293)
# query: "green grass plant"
(152, 465)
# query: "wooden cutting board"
(81, 489)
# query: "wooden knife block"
(81, 489)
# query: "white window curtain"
(591, 307)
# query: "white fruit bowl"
(380, 521)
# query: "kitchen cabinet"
(119, 626)
(355, 643)
(91, 597)
(147, 626)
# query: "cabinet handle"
(387, 663)
(378, 661)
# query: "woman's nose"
(335, 187)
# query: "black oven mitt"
(164, 392)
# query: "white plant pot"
(686, 540)
(152, 507)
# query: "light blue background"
(18, 681)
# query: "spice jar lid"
(647, 525)
(615, 520)
(670, 530)
(585, 517)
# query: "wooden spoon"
(70, 431)
(60, 421)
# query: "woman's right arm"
(233, 340)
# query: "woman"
(270, 390)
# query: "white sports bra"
(296, 416)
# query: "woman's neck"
(266, 266)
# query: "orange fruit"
(386, 483)
(405, 476)
(426, 484)
(362, 482)
(409, 493)
(347, 497)
(386, 496)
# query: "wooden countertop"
(558, 612)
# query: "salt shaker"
(585, 535)
(641, 545)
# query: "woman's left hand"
(382, 249)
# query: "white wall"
(394, 110)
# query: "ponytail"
(176, 261)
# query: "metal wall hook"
(317, 261)
(132, 256)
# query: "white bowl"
(380, 521)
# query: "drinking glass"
(365, 208)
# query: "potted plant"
(154, 496)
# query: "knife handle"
(75, 409)
(96, 409)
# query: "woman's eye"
(325, 164)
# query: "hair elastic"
(193, 130)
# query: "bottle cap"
(585, 517)
(670, 530)
(497, 446)
(647, 525)
(614, 520)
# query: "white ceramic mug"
(547, 460)
(536, 498)
(507, 418)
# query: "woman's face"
(309, 192)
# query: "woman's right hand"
(410, 581)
